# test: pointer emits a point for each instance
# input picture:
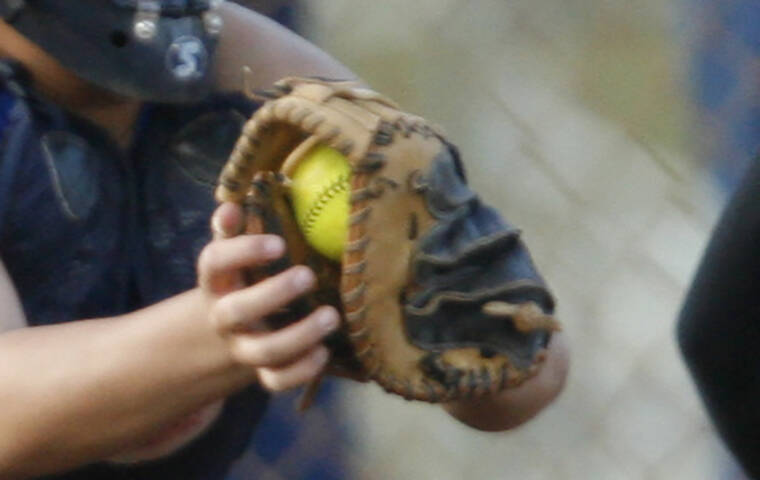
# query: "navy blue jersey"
(87, 231)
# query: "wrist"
(195, 353)
(511, 408)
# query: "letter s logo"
(186, 58)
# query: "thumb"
(227, 221)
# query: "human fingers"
(284, 346)
(301, 371)
(227, 220)
(221, 261)
(238, 310)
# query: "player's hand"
(284, 358)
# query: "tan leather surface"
(385, 148)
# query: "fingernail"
(327, 319)
(303, 279)
(274, 246)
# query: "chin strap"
(9, 9)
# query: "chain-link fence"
(573, 119)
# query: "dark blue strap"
(6, 103)
(9, 8)
(14, 130)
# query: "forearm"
(511, 408)
(269, 50)
(79, 392)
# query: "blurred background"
(611, 132)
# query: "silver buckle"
(212, 20)
(145, 26)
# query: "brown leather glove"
(439, 297)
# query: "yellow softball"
(320, 192)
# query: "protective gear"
(439, 297)
(157, 50)
(86, 232)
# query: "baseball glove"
(438, 295)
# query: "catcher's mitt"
(439, 297)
